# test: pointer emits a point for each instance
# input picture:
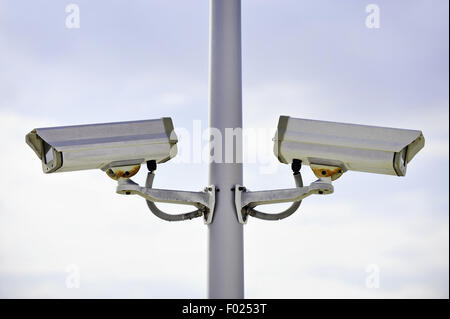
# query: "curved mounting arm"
(286, 213)
(245, 201)
(169, 217)
(204, 201)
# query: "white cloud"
(50, 221)
(324, 253)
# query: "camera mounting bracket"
(204, 201)
(246, 200)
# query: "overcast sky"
(139, 59)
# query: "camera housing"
(104, 146)
(364, 148)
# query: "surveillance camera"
(329, 145)
(108, 146)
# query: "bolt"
(151, 166)
(296, 165)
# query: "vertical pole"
(225, 245)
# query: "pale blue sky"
(147, 59)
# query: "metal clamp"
(245, 200)
(204, 201)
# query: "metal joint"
(204, 201)
(246, 201)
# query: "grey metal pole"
(226, 252)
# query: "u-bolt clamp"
(246, 201)
(204, 201)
